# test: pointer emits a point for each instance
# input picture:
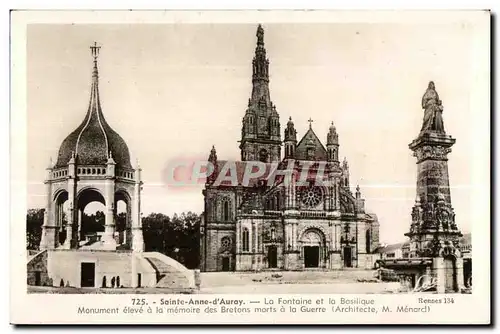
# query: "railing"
(272, 213)
(92, 171)
(84, 171)
(313, 214)
(56, 174)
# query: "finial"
(290, 118)
(94, 49)
(137, 163)
(310, 122)
(357, 188)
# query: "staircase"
(170, 273)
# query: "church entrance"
(272, 257)
(312, 248)
(450, 274)
(347, 257)
(225, 264)
(311, 256)
(87, 275)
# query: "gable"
(310, 141)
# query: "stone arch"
(313, 250)
(123, 225)
(86, 193)
(317, 227)
(61, 196)
(245, 239)
(313, 235)
(225, 208)
(84, 197)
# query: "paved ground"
(270, 282)
(69, 290)
(345, 281)
(324, 288)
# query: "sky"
(174, 90)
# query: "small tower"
(290, 140)
(332, 145)
(260, 132)
(212, 172)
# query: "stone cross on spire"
(310, 122)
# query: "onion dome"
(94, 140)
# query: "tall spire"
(261, 135)
(260, 62)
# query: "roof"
(310, 140)
(94, 139)
(391, 248)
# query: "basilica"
(266, 223)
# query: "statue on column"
(433, 119)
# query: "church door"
(272, 257)
(225, 264)
(347, 257)
(311, 256)
(450, 276)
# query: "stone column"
(137, 237)
(237, 246)
(459, 270)
(69, 243)
(48, 238)
(109, 196)
(337, 235)
(79, 222)
(438, 270)
(337, 195)
(253, 245)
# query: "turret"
(332, 144)
(290, 141)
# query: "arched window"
(245, 239)
(368, 241)
(263, 155)
(225, 210)
(273, 233)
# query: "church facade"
(291, 210)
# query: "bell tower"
(260, 133)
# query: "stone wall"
(38, 266)
(64, 266)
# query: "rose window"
(226, 242)
(311, 197)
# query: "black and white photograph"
(257, 157)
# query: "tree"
(34, 222)
(177, 237)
